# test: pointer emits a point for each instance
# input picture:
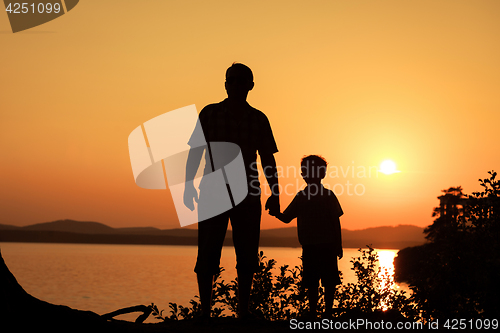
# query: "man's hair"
(313, 161)
(244, 68)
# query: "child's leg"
(329, 296)
(312, 294)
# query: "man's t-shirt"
(317, 210)
(250, 130)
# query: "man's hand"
(273, 204)
(273, 213)
(190, 194)
(269, 168)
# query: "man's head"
(313, 168)
(239, 81)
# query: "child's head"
(313, 168)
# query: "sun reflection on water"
(386, 274)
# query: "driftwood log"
(21, 312)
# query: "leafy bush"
(374, 289)
(282, 296)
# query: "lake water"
(104, 278)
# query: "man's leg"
(211, 234)
(245, 280)
(245, 220)
(205, 286)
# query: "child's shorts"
(319, 262)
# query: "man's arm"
(271, 173)
(192, 165)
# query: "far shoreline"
(225, 245)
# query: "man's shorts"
(245, 222)
(319, 262)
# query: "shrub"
(282, 296)
(373, 291)
(456, 274)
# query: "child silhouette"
(317, 210)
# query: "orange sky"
(356, 81)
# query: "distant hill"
(385, 237)
(70, 231)
(379, 237)
(72, 226)
(8, 227)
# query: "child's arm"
(282, 217)
(290, 212)
(340, 251)
(337, 212)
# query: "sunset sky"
(358, 82)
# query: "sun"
(388, 167)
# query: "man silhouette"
(233, 120)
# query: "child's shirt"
(317, 210)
